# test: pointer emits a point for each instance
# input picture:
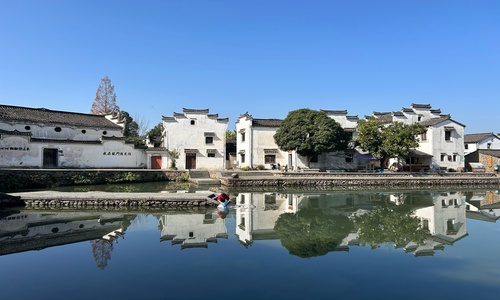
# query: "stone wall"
(12, 180)
(366, 181)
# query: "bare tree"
(142, 125)
(105, 99)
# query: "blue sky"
(264, 57)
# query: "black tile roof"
(490, 152)
(477, 137)
(29, 115)
(266, 122)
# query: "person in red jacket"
(223, 199)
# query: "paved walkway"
(162, 196)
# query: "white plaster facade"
(481, 141)
(443, 142)
(198, 137)
(255, 143)
(256, 146)
(42, 138)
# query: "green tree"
(230, 135)
(370, 136)
(400, 138)
(131, 127)
(394, 140)
(105, 99)
(155, 135)
(310, 133)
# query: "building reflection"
(441, 215)
(27, 231)
(193, 230)
(483, 205)
(307, 224)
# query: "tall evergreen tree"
(105, 99)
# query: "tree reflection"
(311, 233)
(390, 225)
(102, 252)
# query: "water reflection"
(192, 230)
(307, 224)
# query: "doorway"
(50, 158)
(155, 162)
(190, 161)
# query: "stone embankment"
(231, 180)
(21, 179)
(61, 200)
(323, 179)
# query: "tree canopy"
(105, 99)
(230, 135)
(155, 134)
(131, 129)
(394, 140)
(310, 133)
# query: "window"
(193, 121)
(270, 159)
(57, 129)
(419, 118)
(455, 156)
(242, 136)
(242, 223)
(270, 199)
(488, 146)
(348, 158)
(27, 127)
(443, 156)
(425, 224)
(211, 152)
(242, 158)
(104, 132)
(242, 199)
(466, 146)
(423, 136)
(447, 135)
(450, 224)
(84, 131)
(209, 140)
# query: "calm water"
(271, 245)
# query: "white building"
(198, 138)
(256, 146)
(255, 143)
(43, 138)
(440, 147)
(481, 141)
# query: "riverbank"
(54, 199)
(45, 179)
(13, 180)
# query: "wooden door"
(190, 161)
(155, 162)
(50, 157)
